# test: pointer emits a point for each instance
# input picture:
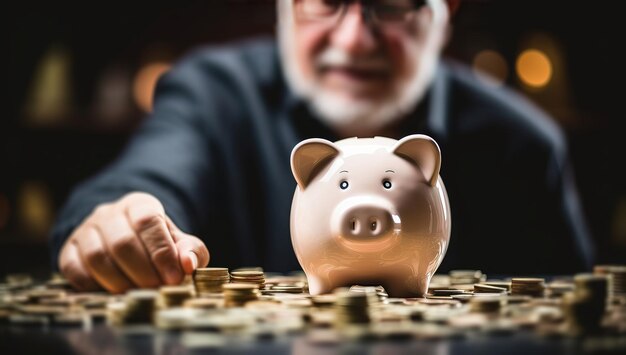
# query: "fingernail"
(194, 259)
(172, 274)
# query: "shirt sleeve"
(168, 157)
(571, 221)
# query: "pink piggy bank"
(369, 211)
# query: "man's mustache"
(333, 57)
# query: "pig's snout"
(365, 220)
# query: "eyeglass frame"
(367, 11)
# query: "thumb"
(191, 251)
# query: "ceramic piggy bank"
(369, 211)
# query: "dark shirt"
(215, 151)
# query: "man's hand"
(130, 243)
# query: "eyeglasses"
(380, 12)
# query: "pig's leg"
(405, 285)
(317, 286)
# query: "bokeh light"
(49, 98)
(534, 68)
(145, 83)
(491, 63)
(35, 208)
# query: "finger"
(101, 266)
(127, 250)
(192, 251)
(148, 222)
(73, 269)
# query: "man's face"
(361, 70)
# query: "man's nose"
(352, 33)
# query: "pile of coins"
(585, 307)
(527, 286)
(353, 307)
(267, 304)
(248, 277)
(210, 279)
(238, 294)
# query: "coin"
(527, 286)
(485, 304)
(175, 296)
(484, 288)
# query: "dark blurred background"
(79, 80)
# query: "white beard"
(353, 116)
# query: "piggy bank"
(369, 211)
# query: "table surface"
(103, 339)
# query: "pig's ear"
(308, 157)
(422, 151)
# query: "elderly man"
(213, 157)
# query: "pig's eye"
(387, 184)
(343, 185)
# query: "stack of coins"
(210, 279)
(585, 307)
(249, 277)
(140, 306)
(460, 277)
(485, 304)
(617, 279)
(237, 294)
(353, 307)
(175, 296)
(527, 286)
